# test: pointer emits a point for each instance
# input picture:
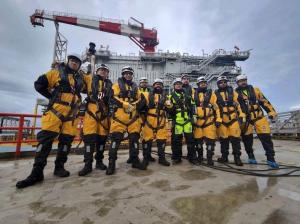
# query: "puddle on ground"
(106, 204)
(165, 217)
(78, 182)
(276, 217)
(144, 180)
(87, 221)
(34, 221)
(215, 208)
(109, 183)
(165, 185)
(139, 173)
(59, 212)
(196, 175)
(265, 183)
(97, 194)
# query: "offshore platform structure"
(149, 63)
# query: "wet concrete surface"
(159, 195)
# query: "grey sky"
(270, 28)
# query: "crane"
(146, 39)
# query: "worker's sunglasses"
(128, 73)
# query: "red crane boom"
(146, 39)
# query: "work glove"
(129, 108)
(271, 117)
(168, 103)
(194, 119)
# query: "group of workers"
(114, 110)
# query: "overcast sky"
(270, 28)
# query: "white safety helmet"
(222, 78)
(184, 75)
(176, 81)
(127, 69)
(241, 77)
(143, 79)
(158, 81)
(103, 66)
(201, 79)
(75, 56)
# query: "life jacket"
(97, 93)
(250, 105)
(64, 86)
(227, 102)
(207, 96)
(130, 94)
(251, 97)
(159, 104)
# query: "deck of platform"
(175, 194)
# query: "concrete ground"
(160, 195)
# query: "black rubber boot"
(146, 152)
(88, 160)
(224, 150)
(61, 158)
(100, 165)
(129, 160)
(236, 148)
(209, 154)
(35, 176)
(176, 161)
(44, 147)
(100, 145)
(223, 159)
(161, 153)
(192, 155)
(137, 164)
(111, 167)
(237, 160)
(199, 149)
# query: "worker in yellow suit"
(232, 115)
(155, 126)
(207, 119)
(96, 120)
(62, 87)
(144, 89)
(125, 118)
(253, 102)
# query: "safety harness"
(227, 102)
(64, 86)
(160, 113)
(180, 106)
(250, 105)
(131, 95)
(100, 92)
(204, 104)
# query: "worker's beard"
(202, 89)
(158, 90)
(128, 82)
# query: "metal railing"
(20, 130)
